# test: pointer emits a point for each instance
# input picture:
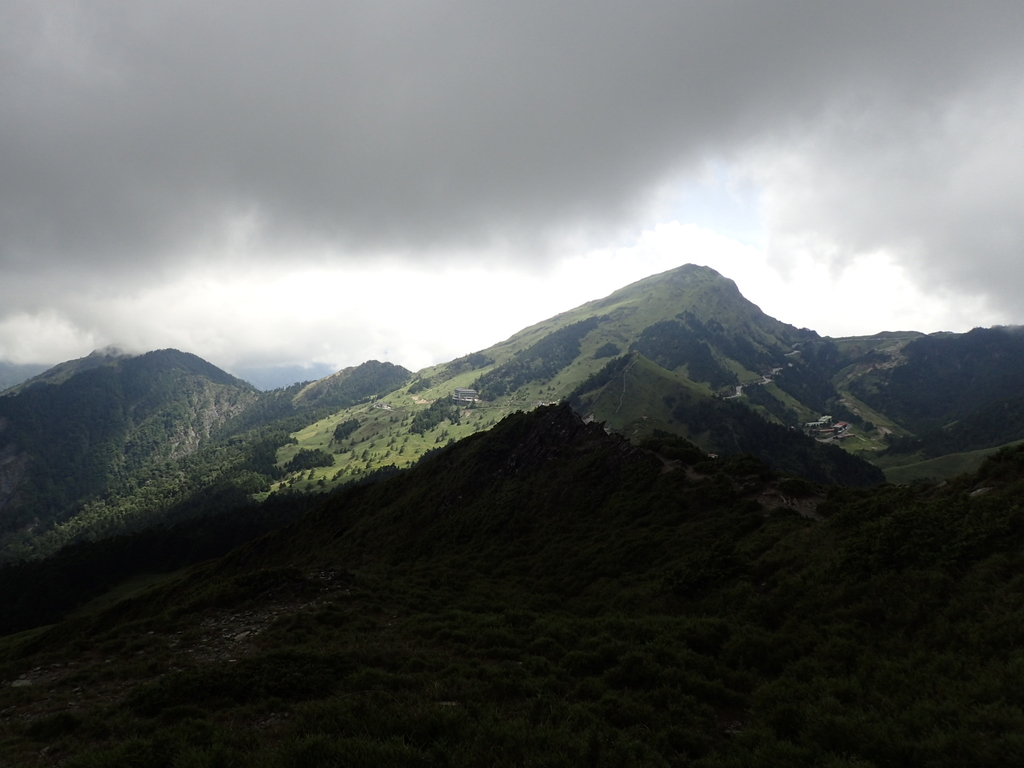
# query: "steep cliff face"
(180, 426)
(210, 407)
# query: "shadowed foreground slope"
(544, 594)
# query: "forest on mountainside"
(106, 424)
(947, 377)
(672, 345)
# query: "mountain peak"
(110, 351)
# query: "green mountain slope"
(638, 398)
(945, 377)
(919, 398)
(952, 393)
(352, 384)
(691, 325)
(545, 593)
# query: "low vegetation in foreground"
(544, 594)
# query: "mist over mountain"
(269, 377)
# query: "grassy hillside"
(547, 594)
(903, 468)
(638, 398)
(691, 326)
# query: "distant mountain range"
(12, 374)
(114, 443)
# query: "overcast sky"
(288, 182)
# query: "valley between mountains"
(652, 530)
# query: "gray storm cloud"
(132, 132)
(940, 188)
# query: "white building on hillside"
(464, 396)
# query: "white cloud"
(44, 337)
(936, 190)
(418, 315)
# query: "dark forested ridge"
(739, 430)
(673, 345)
(952, 392)
(545, 593)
